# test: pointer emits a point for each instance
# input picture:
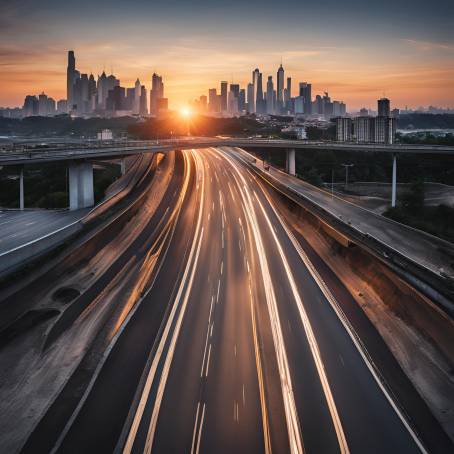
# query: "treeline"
(426, 121)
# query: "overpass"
(79, 153)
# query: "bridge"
(79, 154)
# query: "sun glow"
(185, 112)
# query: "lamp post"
(346, 173)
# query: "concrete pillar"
(123, 166)
(394, 182)
(81, 194)
(21, 189)
(290, 161)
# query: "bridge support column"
(290, 161)
(81, 194)
(123, 166)
(21, 189)
(394, 182)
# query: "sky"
(355, 50)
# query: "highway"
(251, 355)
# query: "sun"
(185, 112)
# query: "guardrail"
(439, 289)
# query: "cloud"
(429, 45)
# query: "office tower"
(383, 107)
(318, 105)
(213, 100)
(137, 93)
(143, 110)
(336, 108)
(270, 96)
(62, 106)
(42, 105)
(223, 96)
(363, 112)
(395, 113)
(250, 98)
(51, 106)
(31, 106)
(130, 98)
(232, 102)
(384, 129)
(299, 105)
(235, 88)
(70, 78)
(255, 77)
(363, 129)
(157, 92)
(288, 91)
(305, 90)
(101, 91)
(116, 99)
(91, 93)
(327, 106)
(343, 129)
(342, 108)
(280, 88)
(242, 100)
(259, 101)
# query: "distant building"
(143, 104)
(31, 106)
(156, 93)
(105, 134)
(62, 106)
(70, 78)
(343, 129)
(385, 130)
(383, 107)
(364, 112)
(269, 96)
(224, 96)
(363, 129)
(163, 106)
(250, 98)
(305, 91)
(214, 101)
(280, 88)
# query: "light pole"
(346, 173)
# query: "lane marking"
(313, 345)
(346, 323)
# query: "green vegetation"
(426, 120)
(426, 139)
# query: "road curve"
(251, 355)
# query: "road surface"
(251, 355)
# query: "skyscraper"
(137, 94)
(288, 91)
(384, 107)
(157, 92)
(280, 87)
(250, 98)
(70, 76)
(269, 96)
(306, 92)
(255, 76)
(259, 101)
(223, 96)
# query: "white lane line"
(310, 338)
(217, 295)
(151, 374)
(222, 239)
(244, 397)
(291, 414)
(195, 427)
(222, 267)
(344, 320)
(200, 430)
(208, 361)
(205, 351)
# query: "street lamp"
(346, 173)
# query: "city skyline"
(409, 58)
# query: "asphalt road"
(251, 355)
(20, 227)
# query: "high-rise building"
(280, 88)
(137, 94)
(224, 96)
(270, 96)
(383, 107)
(305, 90)
(343, 129)
(364, 112)
(70, 78)
(250, 98)
(62, 106)
(42, 105)
(143, 104)
(363, 129)
(255, 78)
(384, 129)
(214, 104)
(31, 106)
(299, 105)
(259, 100)
(157, 92)
(242, 100)
(288, 91)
